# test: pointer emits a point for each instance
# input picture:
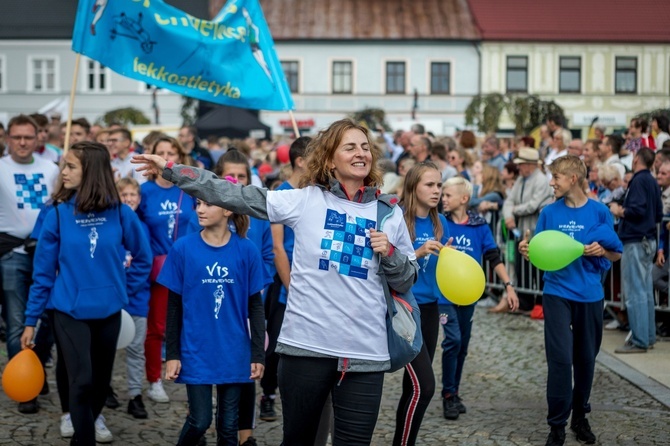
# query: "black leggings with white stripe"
(418, 384)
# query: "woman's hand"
(257, 370)
(660, 258)
(380, 242)
(430, 247)
(172, 369)
(149, 164)
(512, 299)
(27, 338)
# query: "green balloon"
(553, 250)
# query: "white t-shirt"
(125, 169)
(336, 303)
(24, 189)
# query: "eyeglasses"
(19, 138)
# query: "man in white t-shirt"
(119, 143)
(26, 184)
(609, 153)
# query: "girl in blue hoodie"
(421, 195)
(79, 270)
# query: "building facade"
(430, 82)
(593, 58)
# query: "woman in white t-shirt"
(333, 338)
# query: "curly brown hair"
(321, 150)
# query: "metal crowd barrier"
(530, 282)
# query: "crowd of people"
(209, 247)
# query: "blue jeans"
(457, 332)
(17, 271)
(200, 414)
(636, 263)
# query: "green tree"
(485, 111)
(188, 110)
(372, 117)
(125, 116)
(527, 112)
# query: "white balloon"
(127, 332)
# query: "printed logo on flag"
(229, 60)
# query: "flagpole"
(68, 126)
(295, 124)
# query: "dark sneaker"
(45, 387)
(629, 347)
(556, 437)
(28, 407)
(111, 401)
(268, 409)
(202, 441)
(251, 441)
(136, 408)
(460, 405)
(583, 430)
(450, 407)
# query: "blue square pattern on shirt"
(31, 192)
(345, 246)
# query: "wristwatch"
(509, 284)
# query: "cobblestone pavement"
(503, 389)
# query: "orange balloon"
(23, 377)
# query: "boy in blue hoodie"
(471, 235)
(573, 298)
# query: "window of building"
(440, 77)
(3, 74)
(395, 77)
(517, 74)
(291, 70)
(570, 74)
(625, 76)
(96, 77)
(43, 74)
(342, 77)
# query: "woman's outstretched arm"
(203, 184)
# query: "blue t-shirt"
(425, 289)
(259, 233)
(215, 284)
(289, 242)
(581, 280)
(162, 212)
(471, 239)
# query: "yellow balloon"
(459, 277)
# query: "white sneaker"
(612, 325)
(488, 302)
(157, 392)
(66, 428)
(102, 434)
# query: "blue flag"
(230, 60)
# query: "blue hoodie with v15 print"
(79, 265)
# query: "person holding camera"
(26, 184)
